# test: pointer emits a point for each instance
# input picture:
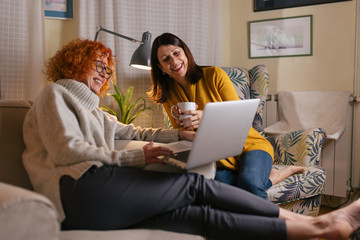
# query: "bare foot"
(336, 225)
(277, 176)
(343, 222)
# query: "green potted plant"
(128, 111)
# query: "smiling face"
(94, 79)
(173, 61)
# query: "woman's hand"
(186, 135)
(156, 154)
(192, 122)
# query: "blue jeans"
(252, 175)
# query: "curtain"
(198, 23)
(22, 48)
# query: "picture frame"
(264, 5)
(280, 37)
(59, 9)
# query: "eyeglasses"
(100, 66)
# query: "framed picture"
(281, 37)
(60, 9)
(263, 5)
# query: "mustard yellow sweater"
(216, 87)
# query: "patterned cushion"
(298, 186)
(300, 148)
(308, 206)
(253, 83)
(241, 81)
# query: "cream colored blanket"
(312, 109)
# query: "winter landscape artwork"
(281, 37)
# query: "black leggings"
(111, 197)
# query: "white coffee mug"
(183, 106)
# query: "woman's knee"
(252, 184)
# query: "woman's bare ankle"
(342, 222)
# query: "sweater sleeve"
(67, 134)
(132, 132)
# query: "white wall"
(59, 32)
(332, 64)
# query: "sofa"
(25, 214)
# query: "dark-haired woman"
(177, 78)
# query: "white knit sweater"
(65, 133)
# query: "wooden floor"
(325, 209)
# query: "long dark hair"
(162, 84)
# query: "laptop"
(222, 133)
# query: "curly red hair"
(76, 58)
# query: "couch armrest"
(300, 148)
(26, 215)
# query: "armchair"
(300, 193)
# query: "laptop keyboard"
(182, 156)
